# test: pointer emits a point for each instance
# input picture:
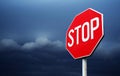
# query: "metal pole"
(84, 67)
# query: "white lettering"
(83, 33)
(70, 36)
(87, 30)
(92, 26)
(77, 32)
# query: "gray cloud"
(9, 43)
(105, 49)
(41, 42)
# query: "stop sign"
(84, 33)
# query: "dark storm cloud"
(54, 63)
(47, 58)
(44, 57)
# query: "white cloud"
(58, 43)
(41, 42)
(105, 49)
(9, 43)
(29, 45)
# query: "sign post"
(84, 34)
(84, 67)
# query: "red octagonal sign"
(84, 33)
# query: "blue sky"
(28, 27)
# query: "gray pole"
(84, 67)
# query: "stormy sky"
(32, 38)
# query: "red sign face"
(84, 33)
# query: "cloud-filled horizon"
(54, 45)
(48, 57)
(38, 43)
